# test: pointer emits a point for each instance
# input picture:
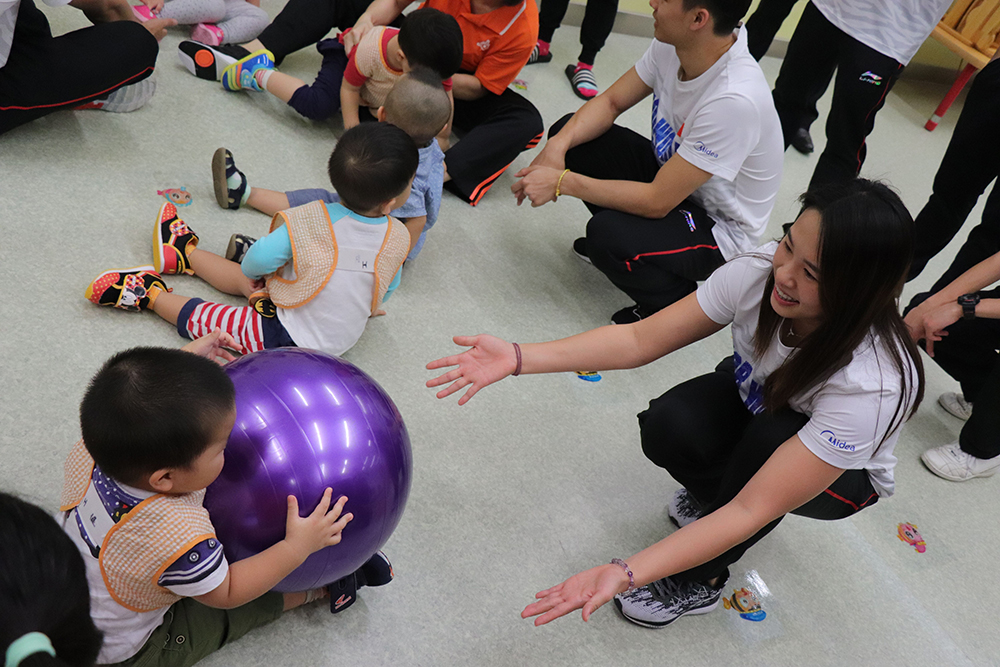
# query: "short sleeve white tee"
(895, 28)
(723, 122)
(199, 571)
(849, 413)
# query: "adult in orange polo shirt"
(498, 36)
(496, 122)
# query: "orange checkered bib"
(315, 255)
(140, 547)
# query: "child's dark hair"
(151, 408)
(726, 14)
(43, 587)
(431, 38)
(372, 163)
(418, 105)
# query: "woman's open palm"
(488, 360)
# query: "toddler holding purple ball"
(162, 591)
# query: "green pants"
(190, 631)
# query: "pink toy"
(911, 535)
(176, 196)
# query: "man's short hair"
(150, 408)
(726, 14)
(371, 164)
(418, 105)
(431, 38)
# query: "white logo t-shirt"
(723, 122)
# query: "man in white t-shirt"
(868, 42)
(669, 210)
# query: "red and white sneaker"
(128, 289)
(173, 241)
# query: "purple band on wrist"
(623, 565)
(517, 351)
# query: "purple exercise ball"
(306, 421)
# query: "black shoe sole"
(208, 62)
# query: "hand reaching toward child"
(154, 5)
(489, 360)
(215, 346)
(590, 590)
(321, 529)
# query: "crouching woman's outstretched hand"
(589, 590)
(488, 360)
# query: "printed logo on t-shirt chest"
(665, 139)
(484, 45)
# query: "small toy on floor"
(911, 535)
(176, 196)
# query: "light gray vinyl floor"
(538, 477)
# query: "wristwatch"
(968, 303)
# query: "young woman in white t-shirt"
(803, 418)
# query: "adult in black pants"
(764, 24)
(598, 20)
(969, 165)
(864, 78)
(803, 418)
(495, 123)
(44, 74)
(959, 323)
(670, 209)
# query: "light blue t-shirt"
(271, 252)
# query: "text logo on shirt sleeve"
(702, 148)
(831, 437)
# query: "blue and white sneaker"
(239, 75)
(664, 601)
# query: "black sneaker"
(377, 571)
(239, 244)
(684, 508)
(664, 601)
(223, 168)
(802, 142)
(631, 314)
(580, 248)
(208, 62)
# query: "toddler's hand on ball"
(320, 529)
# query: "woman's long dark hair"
(865, 247)
(43, 587)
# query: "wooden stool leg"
(956, 88)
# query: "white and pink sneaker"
(142, 13)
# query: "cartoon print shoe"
(208, 62)
(239, 75)
(128, 289)
(230, 183)
(173, 241)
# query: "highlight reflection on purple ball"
(306, 421)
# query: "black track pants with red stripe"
(494, 130)
(703, 435)
(45, 73)
(864, 79)
(655, 261)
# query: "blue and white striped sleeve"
(200, 570)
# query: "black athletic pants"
(45, 73)
(494, 129)
(654, 261)
(704, 436)
(764, 24)
(864, 79)
(970, 163)
(969, 354)
(598, 20)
